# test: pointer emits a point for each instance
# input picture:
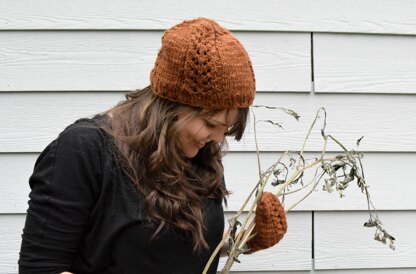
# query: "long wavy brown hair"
(144, 128)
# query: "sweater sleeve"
(64, 185)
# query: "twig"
(345, 163)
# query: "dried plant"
(333, 173)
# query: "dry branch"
(335, 173)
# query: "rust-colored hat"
(202, 64)
(271, 224)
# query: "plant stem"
(257, 145)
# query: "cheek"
(202, 134)
(183, 138)
(194, 131)
(187, 143)
(188, 135)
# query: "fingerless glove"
(271, 224)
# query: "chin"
(192, 153)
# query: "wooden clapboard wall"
(61, 60)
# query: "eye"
(209, 124)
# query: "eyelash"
(208, 124)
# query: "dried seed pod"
(271, 224)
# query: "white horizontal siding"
(122, 60)
(386, 174)
(341, 241)
(332, 271)
(350, 116)
(269, 272)
(369, 16)
(11, 228)
(367, 271)
(292, 253)
(364, 63)
(15, 170)
(349, 271)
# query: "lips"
(199, 145)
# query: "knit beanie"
(271, 224)
(202, 64)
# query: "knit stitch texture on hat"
(270, 221)
(202, 64)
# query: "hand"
(224, 249)
(271, 224)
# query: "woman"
(139, 188)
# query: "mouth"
(199, 145)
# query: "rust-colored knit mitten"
(271, 224)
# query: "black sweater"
(85, 216)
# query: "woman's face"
(200, 130)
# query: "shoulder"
(83, 139)
(84, 132)
(76, 155)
